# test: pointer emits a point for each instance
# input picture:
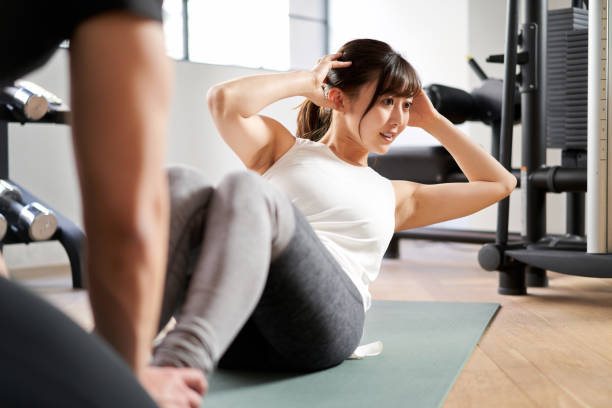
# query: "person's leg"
(47, 360)
(248, 223)
(309, 306)
(310, 316)
(190, 195)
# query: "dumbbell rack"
(68, 233)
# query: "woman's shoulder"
(290, 147)
(283, 146)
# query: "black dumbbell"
(32, 221)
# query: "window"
(309, 37)
(174, 28)
(272, 34)
(240, 32)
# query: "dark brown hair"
(371, 60)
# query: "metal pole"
(533, 125)
(186, 30)
(505, 150)
(597, 128)
(533, 120)
(574, 213)
(495, 138)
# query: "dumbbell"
(32, 221)
(29, 104)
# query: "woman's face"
(386, 119)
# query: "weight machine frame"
(524, 262)
(70, 236)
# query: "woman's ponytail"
(313, 121)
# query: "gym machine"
(554, 84)
(23, 217)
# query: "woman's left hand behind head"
(422, 111)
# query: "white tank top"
(350, 208)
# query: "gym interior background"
(435, 35)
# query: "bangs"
(398, 78)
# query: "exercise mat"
(425, 346)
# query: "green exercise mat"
(425, 346)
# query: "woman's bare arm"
(418, 205)
(234, 106)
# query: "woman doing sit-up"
(270, 269)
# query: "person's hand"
(319, 95)
(172, 387)
(422, 111)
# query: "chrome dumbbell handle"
(9, 191)
(34, 220)
(39, 222)
(33, 106)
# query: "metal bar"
(558, 179)
(507, 122)
(326, 39)
(495, 138)
(574, 214)
(597, 128)
(606, 220)
(477, 69)
(452, 235)
(186, 30)
(533, 144)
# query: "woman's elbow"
(217, 100)
(509, 185)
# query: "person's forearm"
(474, 161)
(249, 95)
(120, 80)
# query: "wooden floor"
(552, 348)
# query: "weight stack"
(567, 79)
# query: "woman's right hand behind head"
(320, 92)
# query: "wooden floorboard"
(551, 348)
(483, 384)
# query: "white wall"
(432, 35)
(435, 36)
(41, 156)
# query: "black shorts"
(31, 30)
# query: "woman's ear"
(336, 97)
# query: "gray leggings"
(250, 282)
